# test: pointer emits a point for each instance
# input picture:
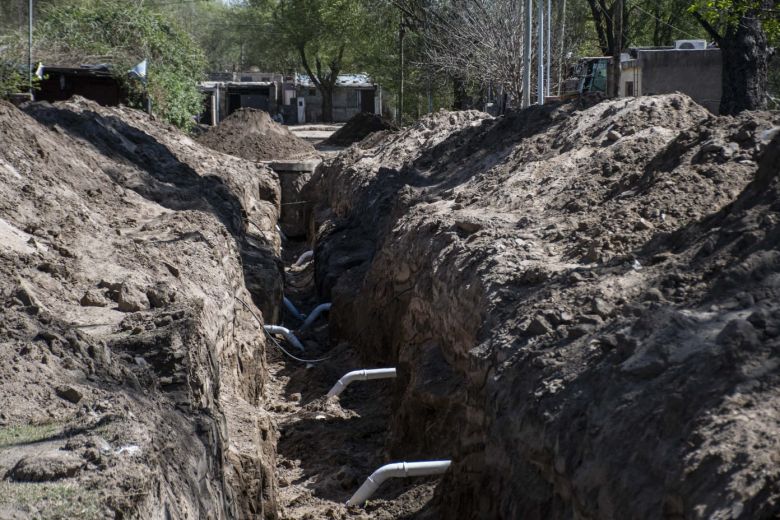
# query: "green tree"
(123, 34)
(325, 34)
(742, 29)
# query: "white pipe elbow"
(397, 470)
(319, 309)
(360, 375)
(293, 309)
(289, 336)
(305, 257)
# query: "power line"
(666, 23)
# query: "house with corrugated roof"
(354, 93)
(294, 97)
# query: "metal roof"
(344, 80)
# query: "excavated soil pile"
(583, 304)
(359, 127)
(131, 378)
(252, 134)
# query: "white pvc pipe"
(319, 309)
(305, 256)
(399, 469)
(289, 336)
(293, 309)
(360, 375)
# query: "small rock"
(172, 269)
(538, 326)
(578, 331)
(614, 135)
(69, 393)
(161, 295)
(93, 298)
(653, 295)
(711, 146)
(642, 225)
(592, 255)
(601, 308)
(468, 226)
(296, 397)
(49, 465)
(131, 299)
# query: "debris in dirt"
(69, 393)
(93, 298)
(359, 127)
(252, 134)
(629, 357)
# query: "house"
(295, 97)
(353, 93)
(95, 82)
(690, 67)
(226, 92)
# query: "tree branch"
(707, 27)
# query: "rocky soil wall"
(582, 303)
(131, 377)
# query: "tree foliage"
(325, 34)
(120, 33)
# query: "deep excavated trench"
(581, 303)
(328, 446)
(563, 291)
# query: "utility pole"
(429, 86)
(618, 17)
(563, 48)
(527, 35)
(29, 49)
(549, 47)
(540, 57)
(401, 33)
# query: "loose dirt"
(327, 447)
(252, 134)
(581, 301)
(359, 127)
(131, 378)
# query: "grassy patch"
(27, 433)
(51, 501)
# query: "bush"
(123, 34)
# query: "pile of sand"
(253, 135)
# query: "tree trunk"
(745, 53)
(327, 105)
(460, 96)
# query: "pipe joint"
(361, 375)
(397, 470)
(319, 309)
(288, 335)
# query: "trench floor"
(327, 447)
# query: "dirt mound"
(252, 134)
(359, 127)
(127, 367)
(582, 304)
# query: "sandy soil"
(581, 301)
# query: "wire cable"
(273, 339)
